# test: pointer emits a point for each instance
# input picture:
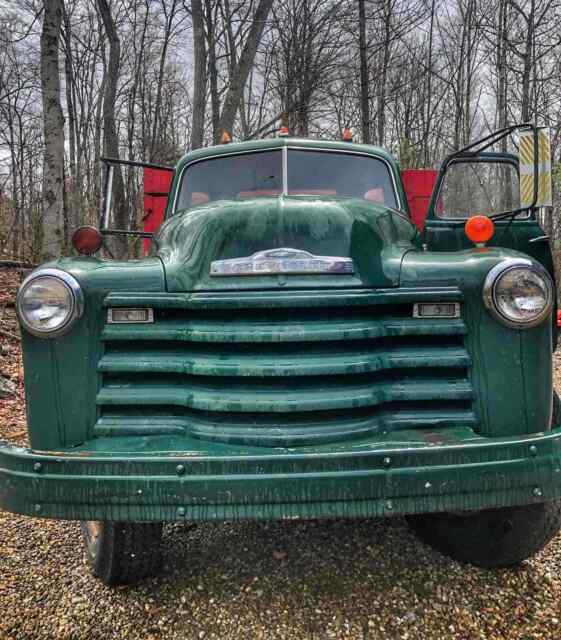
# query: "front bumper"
(432, 474)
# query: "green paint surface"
(285, 396)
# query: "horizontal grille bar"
(313, 298)
(286, 429)
(309, 394)
(342, 358)
(254, 331)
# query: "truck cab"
(294, 346)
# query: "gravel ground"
(314, 580)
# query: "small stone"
(7, 387)
(279, 555)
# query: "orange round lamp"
(479, 229)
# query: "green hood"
(375, 237)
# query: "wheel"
(491, 538)
(122, 552)
(556, 411)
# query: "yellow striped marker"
(526, 157)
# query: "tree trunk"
(73, 204)
(364, 97)
(53, 124)
(156, 135)
(388, 10)
(199, 90)
(110, 139)
(239, 78)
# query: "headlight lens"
(519, 293)
(49, 302)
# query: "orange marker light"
(283, 131)
(347, 135)
(225, 139)
(479, 229)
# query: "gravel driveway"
(314, 580)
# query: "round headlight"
(519, 293)
(49, 302)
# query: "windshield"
(260, 174)
(475, 188)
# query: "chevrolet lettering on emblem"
(282, 260)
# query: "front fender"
(511, 372)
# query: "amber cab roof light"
(226, 138)
(347, 135)
(479, 229)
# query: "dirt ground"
(291, 580)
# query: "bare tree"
(110, 138)
(199, 85)
(53, 119)
(240, 71)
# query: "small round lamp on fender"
(479, 229)
(87, 240)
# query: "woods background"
(151, 79)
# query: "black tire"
(122, 552)
(491, 538)
(494, 537)
(556, 411)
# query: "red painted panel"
(157, 180)
(156, 188)
(419, 184)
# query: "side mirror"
(419, 184)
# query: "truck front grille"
(301, 371)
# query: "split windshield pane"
(231, 178)
(340, 174)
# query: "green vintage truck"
(295, 347)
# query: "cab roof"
(279, 143)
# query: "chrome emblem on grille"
(282, 260)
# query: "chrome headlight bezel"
(493, 278)
(76, 307)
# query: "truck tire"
(556, 411)
(492, 538)
(122, 552)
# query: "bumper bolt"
(37, 508)
(389, 505)
(387, 462)
(537, 492)
(181, 512)
(37, 467)
(180, 469)
(533, 450)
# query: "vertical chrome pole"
(107, 193)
